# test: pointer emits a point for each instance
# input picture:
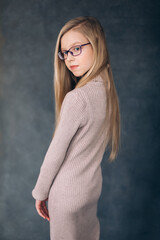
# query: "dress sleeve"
(72, 117)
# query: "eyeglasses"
(75, 51)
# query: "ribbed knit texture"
(70, 175)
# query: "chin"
(76, 75)
(79, 75)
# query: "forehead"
(71, 38)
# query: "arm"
(72, 116)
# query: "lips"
(73, 66)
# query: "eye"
(76, 49)
(65, 53)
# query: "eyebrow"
(72, 45)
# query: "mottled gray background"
(129, 207)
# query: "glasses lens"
(76, 50)
(61, 55)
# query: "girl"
(87, 121)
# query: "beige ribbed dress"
(70, 175)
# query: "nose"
(70, 56)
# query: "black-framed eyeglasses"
(74, 51)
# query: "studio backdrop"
(129, 207)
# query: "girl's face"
(82, 62)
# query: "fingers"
(45, 210)
(38, 207)
(42, 209)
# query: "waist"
(67, 184)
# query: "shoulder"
(80, 96)
(74, 107)
(75, 97)
(74, 102)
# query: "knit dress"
(71, 175)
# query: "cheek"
(92, 57)
(66, 64)
(88, 58)
(89, 61)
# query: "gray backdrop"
(129, 207)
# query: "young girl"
(87, 121)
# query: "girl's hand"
(42, 209)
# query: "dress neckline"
(96, 79)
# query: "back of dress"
(80, 172)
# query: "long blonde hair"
(91, 28)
